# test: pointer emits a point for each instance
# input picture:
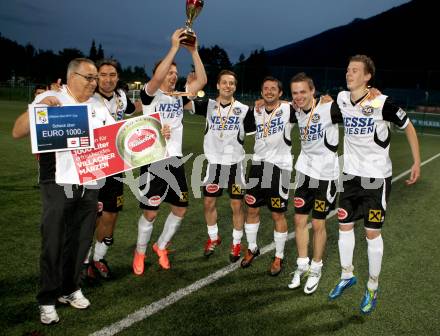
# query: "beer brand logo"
(212, 188)
(298, 202)
(250, 199)
(154, 200)
(342, 214)
(141, 140)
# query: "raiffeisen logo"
(141, 140)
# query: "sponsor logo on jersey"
(224, 123)
(319, 205)
(154, 200)
(298, 202)
(342, 214)
(275, 202)
(367, 110)
(316, 118)
(236, 111)
(401, 114)
(236, 189)
(276, 125)
(183, 196)
(141, 140)
(212, 188)
(279, 113)
(358, 125)
(170, 110)
(375, 216)
(250, 199)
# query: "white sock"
(87, 259)
(303, 263)
(145, 228)
(375, 253)
(213, 232)
(100, 251)
(346, 247)
(316, 266)
(236, 236)
(280, 240)
(169, 229)
(251, 235)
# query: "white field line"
(157, 306)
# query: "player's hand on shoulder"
(374, 92)
(50, 101)
(56, 86)
(325, 99)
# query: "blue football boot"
(342, 285)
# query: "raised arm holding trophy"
(193, 9)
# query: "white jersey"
(367, 134)
(272, 137)
(100, 117)
(117, 105)
(319, 135)
(171, 113)
(224, 133)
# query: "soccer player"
(157, 96)
(223, 147)
(111, 194)
(317, 170)
(269, 175)
(69, 211)
(367, 172)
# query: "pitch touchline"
(157, 306)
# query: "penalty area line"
(153, 308)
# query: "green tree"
(214, 59)
(93, 53)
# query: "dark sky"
(138, 32)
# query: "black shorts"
(267, 185)
(316, 195)
(163, 181)
(111, 195)
(366, 198)
(219, 177)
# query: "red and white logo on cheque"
(298, 202)
(212, 188)
(342, 213)
(154, 200)
(250, 199)
(141, 140)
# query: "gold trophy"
(193, 9)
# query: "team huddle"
(69, 220)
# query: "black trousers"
(67, 227)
